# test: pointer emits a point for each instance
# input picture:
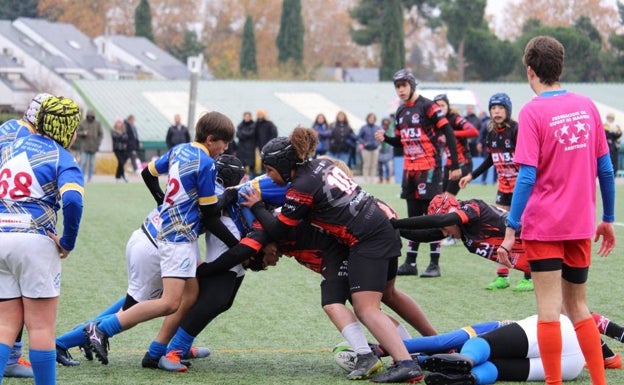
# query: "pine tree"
(143, 20)
(392, 42)
(290, 37)
(12, 9)
(248, 64)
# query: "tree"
(461, 17)
(143, 20)
(392, 43)
(248, 64)
(490, 58)
(582, 59)
(12, 9)
(558, 13)
(290, 37)
(191, 46)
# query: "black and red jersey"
(483, 230)
(500, 142)
(463, 130)
(325, 196)
(418, 125)
(309, 247)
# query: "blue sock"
(71, 339)
(486, 373)
(181, 341)
(478, 349)
(16, 353)
(5, 350)
(156, 350)
(44, 366)
(435, 344)
(110, 325)
(112, 309)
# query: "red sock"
(549, 342)
(589, 340)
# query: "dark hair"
(544, 54)
(216, 124)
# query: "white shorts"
(178, 259)
(30, 266)
(215, 247)
(143, 264)
(572, 360)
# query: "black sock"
(615, 331)
(606, 351)
(411, 257)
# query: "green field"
(276, 332)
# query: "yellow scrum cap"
(58, 118)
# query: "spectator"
(324, 134)
(246, 135)
(339, 143)
(265, 131)
(90, 133)
(475, 121)
(385, 153)
(134, 145)
(177, 133)
(369, 147)
(120, 148)
(613, 132)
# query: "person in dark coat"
(265, 130)
(246, 135)
(177, 132)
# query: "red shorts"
(574, 253)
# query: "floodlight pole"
(194, 64)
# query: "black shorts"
(503, 199)
(370, 260)
(424, 184)
(335, 283)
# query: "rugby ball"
(344, 356)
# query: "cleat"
(149, 362)
(523, 285)
(365, 366)
(407, 269)
(450, 379)
(498, 283)
(64, 358)
(87, 351)
(614, 362)
(98, 340)
(152, 363)
(448, 363)
(171, 362)
(405, 372)
(21, 369)
(432, 271)
(196, 352)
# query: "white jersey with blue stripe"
(35, 171)
(14, 129)
(190, 183)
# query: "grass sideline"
(276, 332)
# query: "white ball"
(344, 356)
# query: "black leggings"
(122, 157)
(216, 295)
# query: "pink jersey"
(563, 137)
